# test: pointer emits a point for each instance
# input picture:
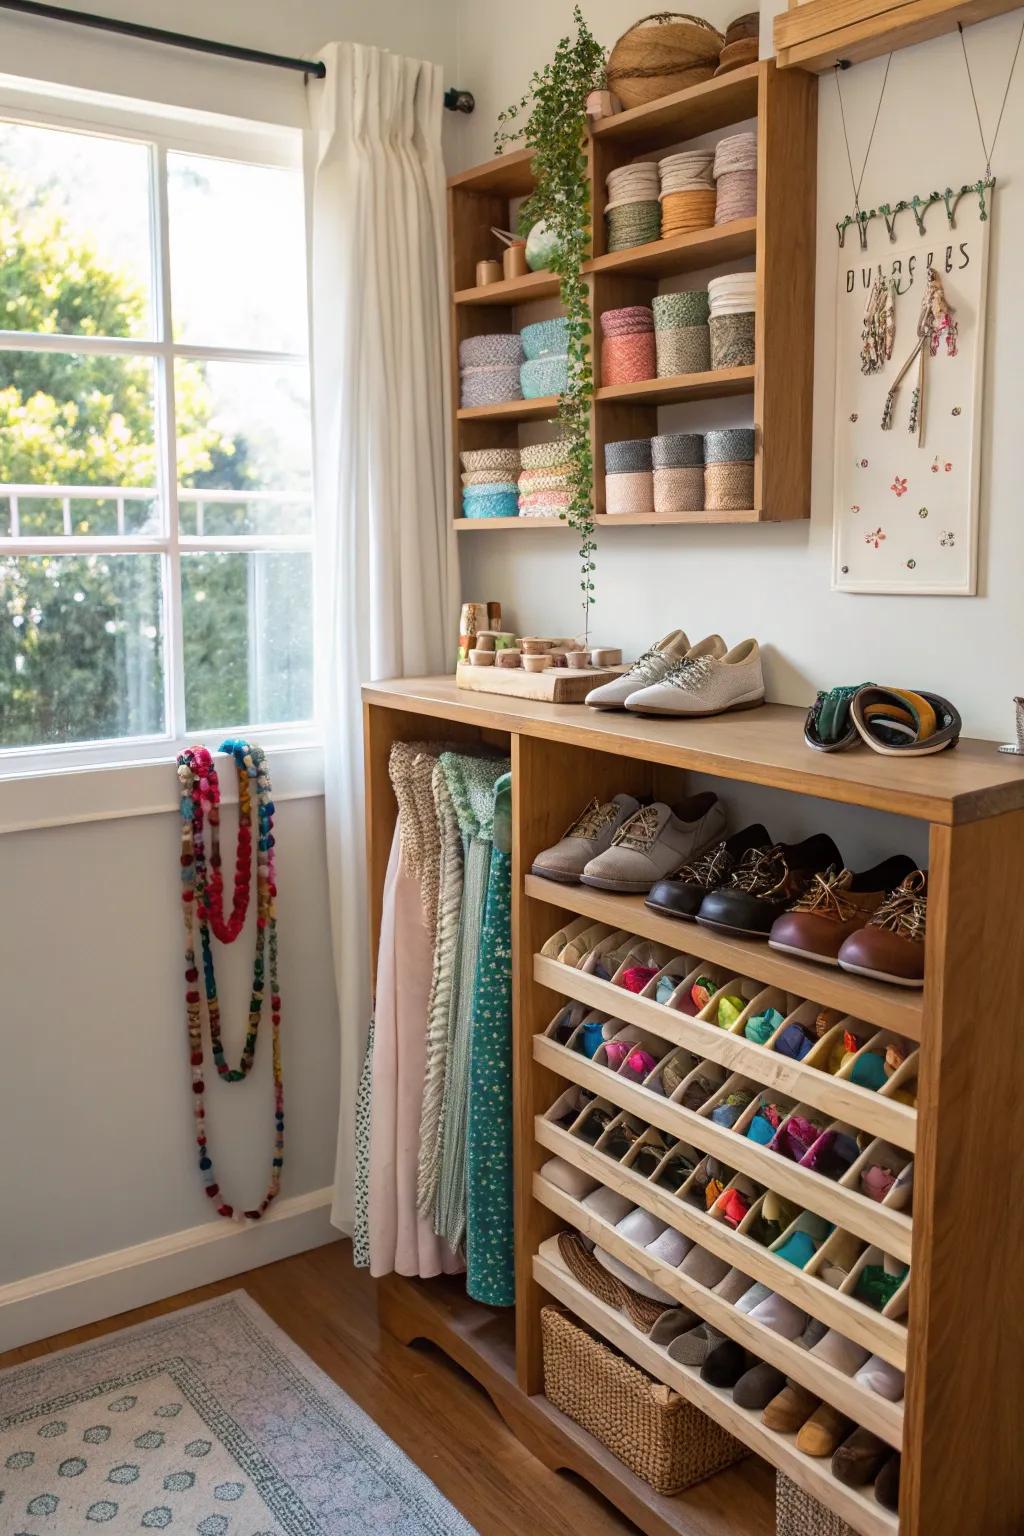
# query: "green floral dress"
(490, 1262)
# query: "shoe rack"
(954, 1327)
(775, 393)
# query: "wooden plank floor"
(435, 1412)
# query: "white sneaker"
(590, 834)
(705, 685)
(655, 842)
(651, 667)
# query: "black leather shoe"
(765, 883)
(682, 895)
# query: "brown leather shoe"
(891, 946)
(835, 905)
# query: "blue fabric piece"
(798, 1249)
(591, 1037)
(794, 1043)
(760, 1130)
(666, 986)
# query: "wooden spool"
(660, 54)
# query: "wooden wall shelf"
(959, 1426)
(779, 245)
(819, 34)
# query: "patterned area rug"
(206, 1422)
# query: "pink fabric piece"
(400, 1238)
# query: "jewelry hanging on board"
(878, 331)
(935, 323)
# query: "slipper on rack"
(899, 722)
(828, 726)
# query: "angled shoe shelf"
(960, 1468)
(775, 394)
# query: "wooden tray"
(558, 685)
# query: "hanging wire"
(988, 151)
(855, 181)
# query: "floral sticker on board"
(855, 508)
(948, 541)
(875, 539)
(899, 485)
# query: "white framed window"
(156, 511)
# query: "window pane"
(71, 419)
(75, 233)
(243, 426)
(238, 258)
(248, 621)
(80, 648)
(207, 514)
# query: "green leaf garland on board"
(201, 898)
(554, 109)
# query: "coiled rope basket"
(662, 53)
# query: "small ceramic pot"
(533, 645)
(508, 658)
(485, 642)
(536, 663)
(578, 659)
(504, 640)
(487, 272)
(481, 658)
(514, 260)
(556, 658)
(606, 656)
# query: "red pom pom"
(275, 1001)
(191, 974)
(197, 1059)
(225, 1210)
(212, 1191)
(198, 1086)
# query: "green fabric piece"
(834, 715)
(490, 1250)
(876, 1287)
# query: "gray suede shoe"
(651, 667)
(654, 843)
(590, 834)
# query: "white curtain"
(385, 553)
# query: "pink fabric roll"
(628, 359)
(553, 501)
(400, 1238)
(622, 322)
(629, 493)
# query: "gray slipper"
(694, 1347)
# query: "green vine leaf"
(555, 131)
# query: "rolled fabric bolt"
(481, 658)
(732, 340)
(684, 350)
(508, 658)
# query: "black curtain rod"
(315, 67)
(455, 100)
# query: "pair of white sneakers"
(677, 678)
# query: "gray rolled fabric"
(631, 455)
(729, 445)
(673, 311)
(500, 350)
(732, 340)
(687, 350)
(677, 450)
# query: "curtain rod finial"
(459, 101)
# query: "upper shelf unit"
(819, 34)
(775, 395)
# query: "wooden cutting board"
(557, 685)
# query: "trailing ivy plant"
(551, 121)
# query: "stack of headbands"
(627, 350)
(740, 46)
(681, 337)
(897, 722)
(544, 479)
(629, 482)
(489, 369)
(736, 178)
(546, 369)
(633, 212)
(729, 469)
(687, 192)
(489, 486)
(732, 319)
(678, 459)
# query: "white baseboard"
(41, 1305)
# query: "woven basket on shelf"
(658, 1434)
(660, 54)
(797, 1514)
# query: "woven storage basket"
(687, 350)
(627, 358)
(502, 350)
(736, 54)
(729, 487)
(732, 340)
(677, 450)
(545, 338)
(544, 455)
(544, 376)
(491, 458)
(632, 492)
(679, 490)
(797, 1514)
(658, 1434)
(662, 53)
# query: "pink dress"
(400, 1238)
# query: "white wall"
(773, 580)
(96, 1133)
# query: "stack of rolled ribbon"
(627, 350)
(544, 479)
(687, 192)
(632, 212)
(732, 319)
(681, 337)
(736, 178)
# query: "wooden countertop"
(760, 746)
